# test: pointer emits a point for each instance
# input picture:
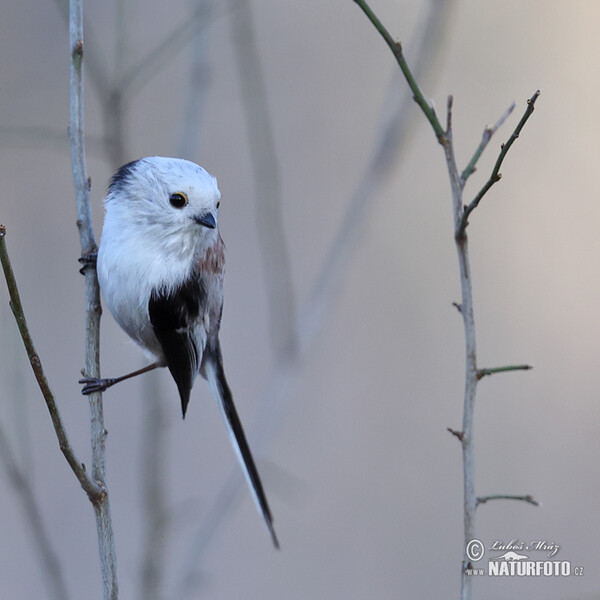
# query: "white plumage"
(148, 245)
(160, 266)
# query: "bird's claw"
(94, 384)
(87, 261)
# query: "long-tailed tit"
(160, 267)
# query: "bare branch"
(91, 488)
(529, 499)
(472, 374)
(106, 543)
(467, 312)
(496, 175)
(98, 75)
(455, 433)
(396, 48)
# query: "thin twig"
(488, 132)
(455, 433)
(91, 488)
(396, 48)
(529, 499)
(496, 175)
(106, 542)
(491, 371)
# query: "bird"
(160, 266)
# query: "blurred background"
(289, 105)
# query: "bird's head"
(167, 197)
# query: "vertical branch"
(106, 542)
(461, 213)
(154, 452)
(200, 76)
(467, 312)
(112, 101)
(392, 138)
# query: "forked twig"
(495, 175)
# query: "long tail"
(215, 374)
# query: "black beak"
(207, 220)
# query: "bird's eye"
(218, 204)
(178, 200)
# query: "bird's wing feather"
(176, 316)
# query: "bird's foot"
(94, 384)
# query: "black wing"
(174, 316)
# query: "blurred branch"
(461, 213)
(154, 452)
(199, 80)
(267, 184)
(42, 547)
(138, 74)
(50, 138)
(15, 412)
(106, 542)
(392, 138)
(114, 92)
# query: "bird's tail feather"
(215, 374)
